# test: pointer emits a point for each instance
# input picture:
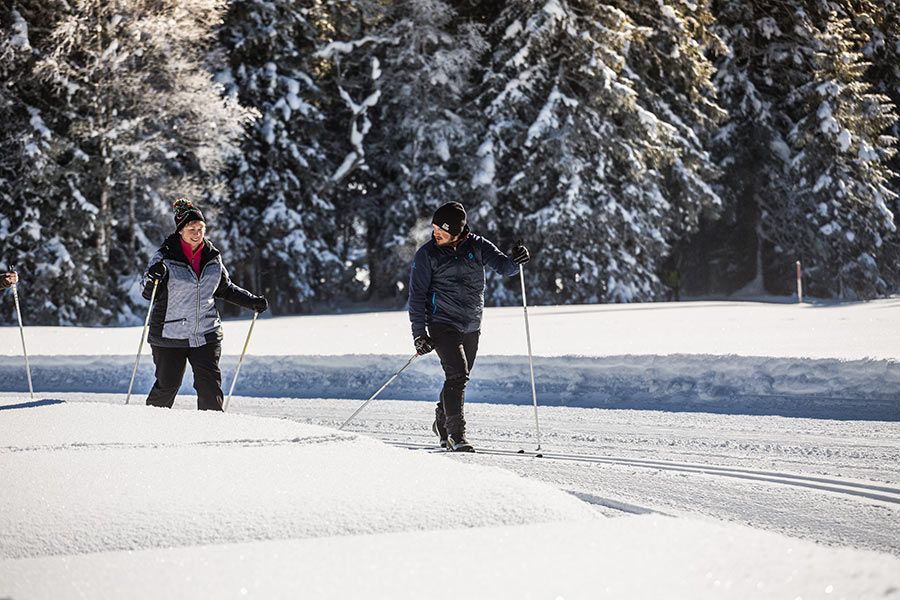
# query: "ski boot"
(458, 443)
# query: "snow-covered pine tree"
(672, 75)
(762, 60)
(580, 161)
(834, 210)
(776, 49)
(46, 228)
(124, 91)
(880, 19)
(283, 226)
(419, 150)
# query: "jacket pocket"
(177, 329)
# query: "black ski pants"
(170, 365)
(457, 352)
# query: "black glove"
(424, 345)
(520, 255)
(157, 272)
(260, 304)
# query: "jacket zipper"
(197, 322)
(199, 277)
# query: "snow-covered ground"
(106, 501)
(779, 417)
(822, 361)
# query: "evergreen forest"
(642, 149)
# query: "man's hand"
(520, 255)
(423, 344)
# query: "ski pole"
(387, 383)
(537, 426)
(137, 358)
(15, 292)
(240, 360)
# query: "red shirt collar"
(193, 256)
(188, 253)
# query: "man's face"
(193, 233)
(441, 237)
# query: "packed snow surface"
(95, 477)
(106, 501)
(853, 331)
(640, 558)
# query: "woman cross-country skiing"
(184, 322)
(446, 295)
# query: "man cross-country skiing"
(446, 295)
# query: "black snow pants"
(457, 352)
(170, 365)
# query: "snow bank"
(82, 478)
(814, 388)
(826, 361)
(634, 557)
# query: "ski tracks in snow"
(869, 491)
(243, 442)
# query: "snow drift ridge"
(797, 387)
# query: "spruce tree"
(403, 79)
(282, 223)
(133, 120)
(779, 142)
(838, 219)
(579, 160)
(46, 225)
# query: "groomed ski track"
(879, 493)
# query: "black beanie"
(185, 212)
(450, 217)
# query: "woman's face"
(193, 233)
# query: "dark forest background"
(639, 148)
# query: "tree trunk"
(132, 220)
(103, 221)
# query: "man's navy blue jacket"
(446, 285)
